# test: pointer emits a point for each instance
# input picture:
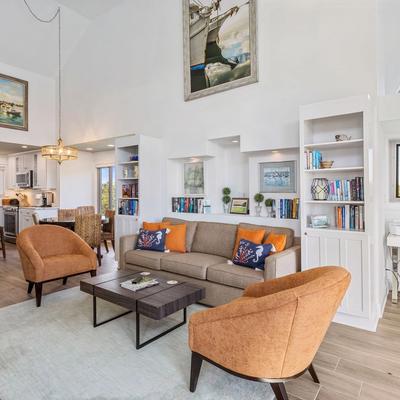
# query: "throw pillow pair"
(249, 250)
(162, 236)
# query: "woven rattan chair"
(66, 214)
(88, 227)
(85, 210)
(108, 230)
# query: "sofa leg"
(313, 374)
(93, 272)
(65, 280)
(30, 287)
(38, 292)
(279, 391)
(195, 371)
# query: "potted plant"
(258, 198)
(226, 199)
(269, 203)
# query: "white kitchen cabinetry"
(26, 215)
(11, 172)
(1, 216)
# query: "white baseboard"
(357, 322)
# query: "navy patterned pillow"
(151, 240)
(251, 255)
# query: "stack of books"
(128, 207)
(347, 189)
(130, 190)
(188, 205)
(289, 209)
(312, 159)
(350, 217)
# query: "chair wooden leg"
(279, 391)
(38, 292)
(3, 246)
(313, 374)
(99, 254)
(30, 287)
(65, 280)
(113, 244)
(195, 371)
(106, 246)
(93, 273)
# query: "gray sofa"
(209, 246)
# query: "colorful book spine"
(350, 217)
(312, 159)
(192, 205)
(346, 189)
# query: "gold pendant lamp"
(59, 151)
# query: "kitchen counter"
(39, 208)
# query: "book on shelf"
(350, 217)
(130, 190)
(312, 159)
(289, 208)
(347, 189)
(194, 205)
(128, 207)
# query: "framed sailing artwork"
(13, 103)
(219, 41)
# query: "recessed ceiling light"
(235, 141)
(24, 147)
(89, 148)
(110, 145)
(275, 151)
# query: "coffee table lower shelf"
(138, 344)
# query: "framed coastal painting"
(278, 177)
(219, 41)
(193, 176)
(13, 103)
(240, 205)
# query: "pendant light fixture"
(58, 151)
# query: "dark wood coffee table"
(156, 302)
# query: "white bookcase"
(352, 249)
(146, 171)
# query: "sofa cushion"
(176, 238)
(233, 275)
(151, 240)
(252, 235)
(251, 255)
(268, 229)
(190, 264)
(144, 258)
(191, 227)
(215, 238)
(65, 265)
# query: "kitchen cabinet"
(26, 219)
(11, 172)
(328, 248)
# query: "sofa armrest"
(126, 243)
(283, 263)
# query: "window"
(106, 189)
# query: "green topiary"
(226, 191)
(269, 202)
(258, 198)
(226, 199)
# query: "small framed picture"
(278, 177)
(240, 205)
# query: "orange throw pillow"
(155, 226)
(176, 238)
(277, 240)
(252, 235)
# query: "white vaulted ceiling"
(91, 8)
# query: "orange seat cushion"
(155, 226)
(277, 240)
(252, 235)
(65, 265)
(176, 238)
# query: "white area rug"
(54, 353)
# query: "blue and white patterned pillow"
(151, 240)
(251, 255)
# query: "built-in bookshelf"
(345, 201)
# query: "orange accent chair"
(272, 333)
(50, 252)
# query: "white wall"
(127, 74)
(42, 109)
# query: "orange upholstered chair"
(272, 333)
(50, 252)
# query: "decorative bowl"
(326, 164)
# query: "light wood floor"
(351, 363)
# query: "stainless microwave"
(25, 179)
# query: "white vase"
(269, 212)
(258, 211)
(226, 208)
